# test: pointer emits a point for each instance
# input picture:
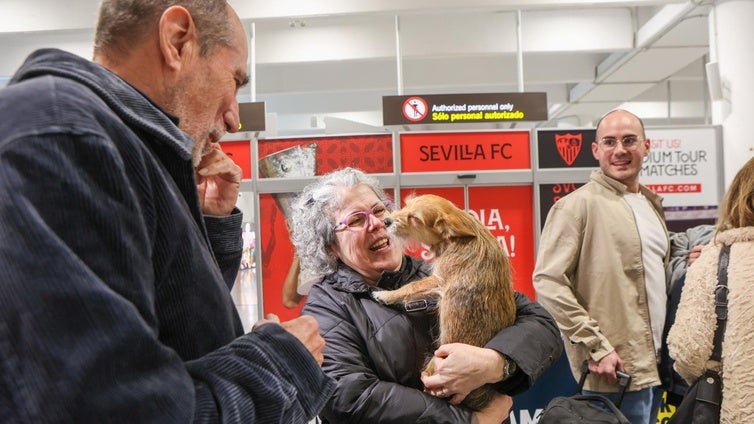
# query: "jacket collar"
(735, 235)
(348, 280)
(619, 188)
(125, 100)
(600, 178)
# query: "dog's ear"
(454, 226)
(461, 232)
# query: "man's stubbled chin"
(208, 144)
(206, 148)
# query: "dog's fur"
(471, 276)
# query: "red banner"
(437, 152)
(277, 255)
(507, 212)
(240, 153)
(311, 156)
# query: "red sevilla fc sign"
(437, 152)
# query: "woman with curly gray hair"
(315, 206)
(375, 352)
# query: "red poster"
(277, 254)
(306, 157)
(240, 152)
(480, 151)
(508, 213)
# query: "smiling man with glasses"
(621, 147)
(629, 142)
(610, 307)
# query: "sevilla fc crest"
(569, 146)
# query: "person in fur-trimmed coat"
(690, 338)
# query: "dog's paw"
(378, 296)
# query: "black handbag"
(580, 408)
(701, 403)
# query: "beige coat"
(690, 338)
(589, 276)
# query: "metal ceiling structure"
(322, 67)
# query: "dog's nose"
(388, 222)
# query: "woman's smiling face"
(367, 250)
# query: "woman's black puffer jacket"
(376, 352)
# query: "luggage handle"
(613, 407)
(624, 380)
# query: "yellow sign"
(666, 411)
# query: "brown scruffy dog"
(471, 276)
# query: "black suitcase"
(581, 409)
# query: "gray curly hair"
(312, 216)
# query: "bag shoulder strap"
(721, 302)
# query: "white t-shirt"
(654, 244)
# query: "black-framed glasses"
(629, 142)
(357, 221)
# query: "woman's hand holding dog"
(461, 368)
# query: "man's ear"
(595, 147)
(178, 36)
